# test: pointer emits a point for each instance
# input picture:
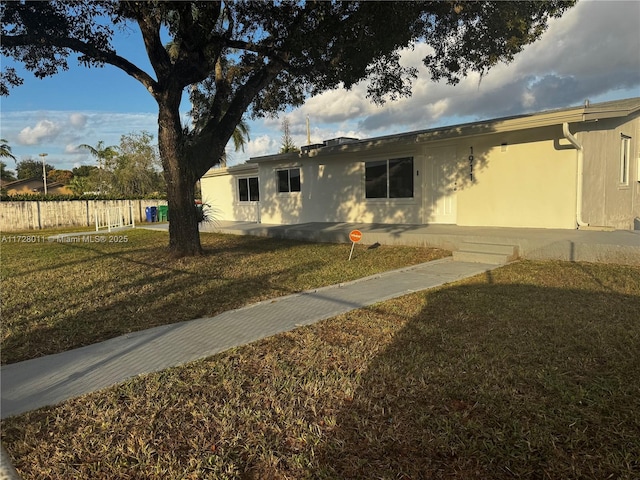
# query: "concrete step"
(491, 253)
(479, 257)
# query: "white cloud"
(78, 120)
(109, 126)
(72, 148)
(59, 132)
(590, 51)
(592, 36)
(335, 106)
(43, 130)
(256, 147)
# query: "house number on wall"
(471, 163)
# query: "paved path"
(55, 378)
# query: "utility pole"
(44, 172)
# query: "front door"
(440, 197)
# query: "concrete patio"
(583, 245)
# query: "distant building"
(34, 185)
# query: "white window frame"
(625, 160)
(248, 179)
(288, 170)
(388, 180)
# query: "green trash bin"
(163, 213)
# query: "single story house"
(35, 185)
(561, 169)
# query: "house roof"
(243, 168)
(22, 181)
(583, 113)
(25, 181)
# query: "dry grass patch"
(530, 372)
(58, 296)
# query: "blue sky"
(592, 52)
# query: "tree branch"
(222, 128)
(78, 46)
(156, 51)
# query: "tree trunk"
(184, 236)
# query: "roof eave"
(236, 169)
(489, 127)
(278, 157)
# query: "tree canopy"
(61, 176)
(6, 175)
(136, 168)
(83, 170)
(260, 57)
(29, 168)
(130, 169)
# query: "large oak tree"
(258, 58)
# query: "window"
(248, 190)
(389, 178)
(288, 180)
(625, 151)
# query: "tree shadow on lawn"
(496, 381)
(158, 256)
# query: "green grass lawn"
(57, 296)
(530, 371)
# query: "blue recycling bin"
(151, 214)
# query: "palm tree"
(240, 138)
(102, 153)
(240, 135)
(6, 175)
(5, 149)
(105, 157)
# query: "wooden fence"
(30, 215)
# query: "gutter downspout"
(580, 174)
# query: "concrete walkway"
(55, 378)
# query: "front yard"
(59, 296)
(530, 371)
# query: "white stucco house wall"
(561, 169)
